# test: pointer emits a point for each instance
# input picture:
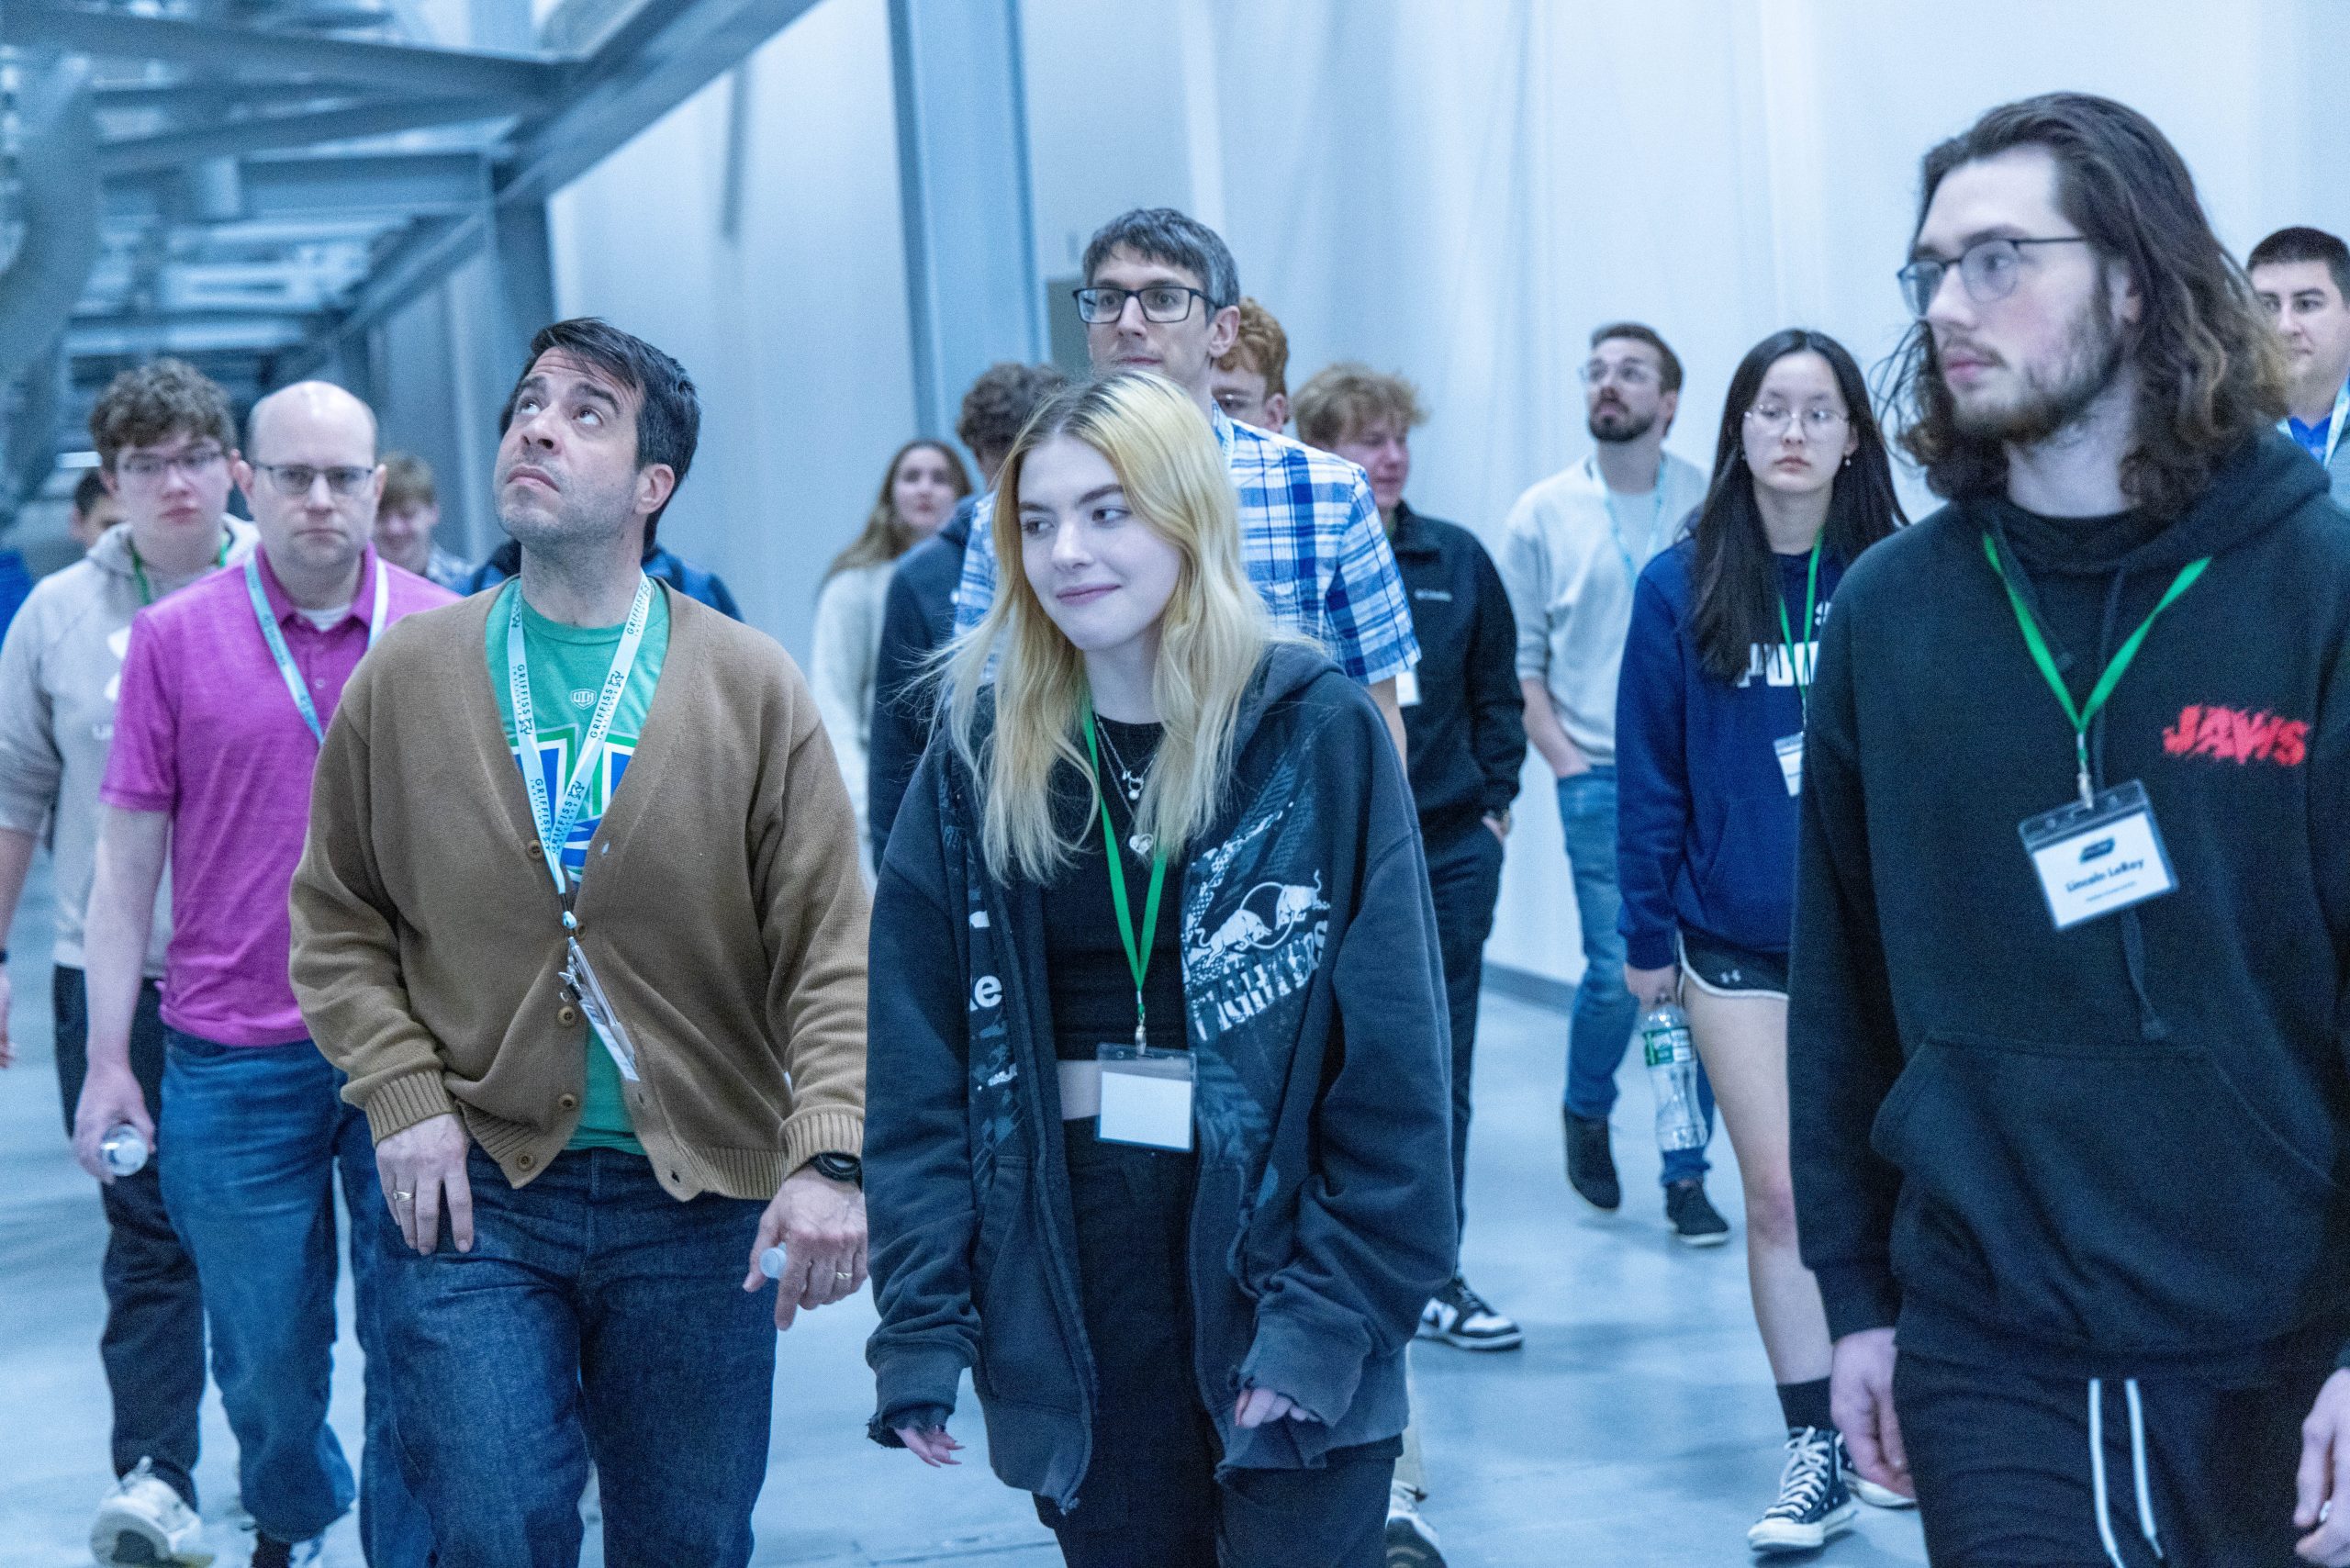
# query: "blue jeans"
(595, 1316)
(255, 1135)
(1604, 1012)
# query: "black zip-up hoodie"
(2118, 1148)
(1314, 996)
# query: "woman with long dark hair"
(1709, 733)
(1156, 1140)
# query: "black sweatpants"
(1464, 882)
(2002, 1460)
(1151, 1499)
(153, 1344)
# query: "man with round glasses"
(2073, 901)
(226, 692)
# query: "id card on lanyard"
(2103, 852)
(555, 820)
(269, 633)
(1145, 1094)
(1790, 747)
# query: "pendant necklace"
(1130, 784)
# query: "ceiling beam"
(270, 133)
(422, 257)
(339, 185)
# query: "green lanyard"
(2120, 664)
(1137, 954)
(139, 568)
(1810, 611)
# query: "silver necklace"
(1130, 784)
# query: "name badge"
(1790, 750)
(1407, 688)
(2096, 857)
(579, 978)
(1146, 1097)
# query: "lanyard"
(1137, 954)
(276, 639)
(1656, 521)
(139, 568)
(2115, 668)
(1810, 610)
(554, 825)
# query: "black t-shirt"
(1091, 988)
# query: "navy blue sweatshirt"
(1704, 827)
(2116, 1150)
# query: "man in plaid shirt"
(1162, 295)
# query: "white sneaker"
(1861, 1486)
(142, 1523)
(1411, 1540)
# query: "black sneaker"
(1695, 1223)
(1591, 1168)
(1463, 1319)
(1813, 1504)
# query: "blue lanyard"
(276, 639)
(1656, 521)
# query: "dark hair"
(408, 483)
(155, 402)
(2304, 244)
(1639, 332)
(1163, 234)
(2210, 373)
(669, 413)
(88, 490)
(1737, 579)
(999, 403)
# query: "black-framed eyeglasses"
(1990, 270)
(294, 479)
(1161, 302)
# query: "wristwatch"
(834, 1167)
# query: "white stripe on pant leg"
(2097, 1474)
(2138, 1468)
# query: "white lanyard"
(1656, 521)
(554, 826)
(276, 639)
(2333, 426)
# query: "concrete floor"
(1637, 1427)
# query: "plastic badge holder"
(1146, 1096)
(579, 976)
(2098, 855)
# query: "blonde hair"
(1348, 399)
(886, 535)
(1211, 633)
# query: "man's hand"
(1860, 1397)
(110, 1096)
(820, 1222)
(1653, 988)
(932, 1446)
(7, 998)
(2323, 1486)
(423, 1171)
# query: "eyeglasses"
(1990, 270)
(149, 468)
(294, 479)
(1631, 375)
(1161, 302)
(1771, 419)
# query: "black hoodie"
(2116, 1148)
(1313, 995)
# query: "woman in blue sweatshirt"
(1710, 761)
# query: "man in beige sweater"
(617, 1087)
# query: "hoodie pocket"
(1749, 882)
(2123, 1196)
(1021, 1357)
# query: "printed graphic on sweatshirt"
(1768, 662)
(2231, 734)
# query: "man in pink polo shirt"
(226, 692)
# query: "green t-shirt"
(568, 665)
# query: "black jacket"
(2121, 1148)
(660, 561)
(1466, 735)
(917, 619)
(1314, 1001)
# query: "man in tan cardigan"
(613, 1037)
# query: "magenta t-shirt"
(206, 731)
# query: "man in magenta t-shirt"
(226, 692)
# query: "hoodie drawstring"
(2101, 1498)
(2133, 935)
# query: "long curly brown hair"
(2210, 373)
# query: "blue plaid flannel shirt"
(1311, 539)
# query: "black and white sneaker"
(1813, 1504)
(1463, 1319)
(1694, 1220)
(1411, 1541)
(1861, 1486)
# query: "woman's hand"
(1653, 988)
(1257, 1407)
(931, 1445)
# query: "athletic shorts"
(1718, 968)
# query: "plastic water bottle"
(122, 1150)
(1673, 1073)
(771, 1262)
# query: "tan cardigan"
(724, 913)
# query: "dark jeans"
(153, 1344)
(1604, 1012)
(256, 1136)
(1465, 879)
(596, 1317)
(1151, 1498)
(2001, 1459)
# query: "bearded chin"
(2052, 402)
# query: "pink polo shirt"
(206, 731)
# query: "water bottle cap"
(771, 1262)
